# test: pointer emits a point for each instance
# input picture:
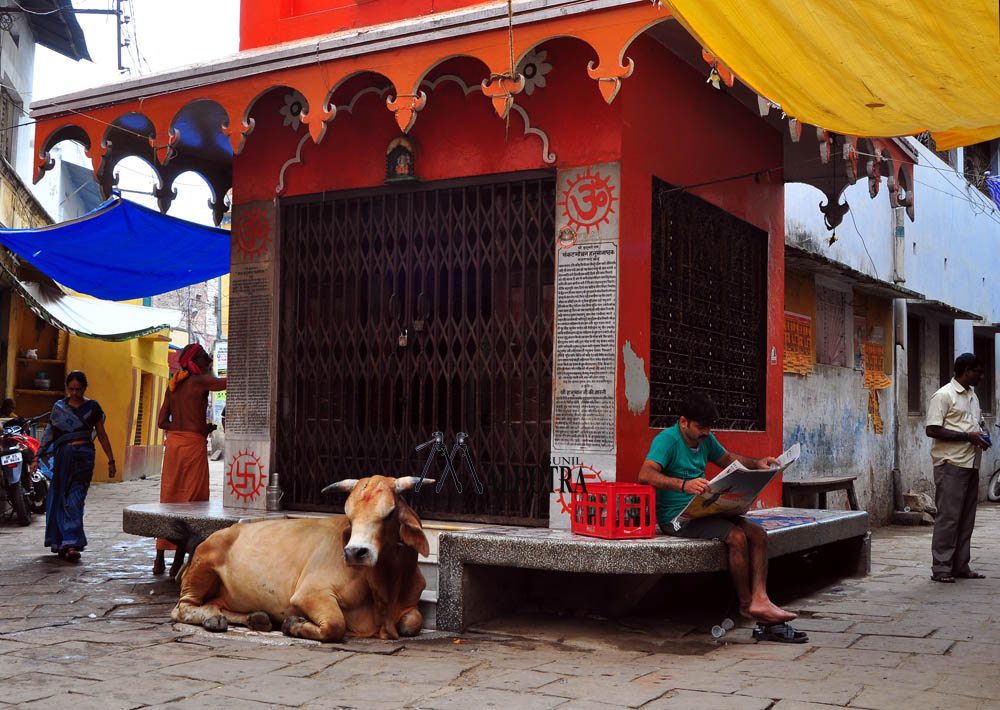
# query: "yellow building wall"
(115, 376)
(800, 298)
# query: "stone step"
(428, 608)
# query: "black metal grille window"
(708, 304)
(409, 310)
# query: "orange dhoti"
(185, 472)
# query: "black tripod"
(460, 444)
(439, 447)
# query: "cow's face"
(379, 518)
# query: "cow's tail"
(186, 539)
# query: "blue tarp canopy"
(121, 250)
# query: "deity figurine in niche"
(399, 160)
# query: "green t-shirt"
(678, 460)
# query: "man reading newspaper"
(675, 466)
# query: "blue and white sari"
(72, 471)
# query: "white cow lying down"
(320, 578)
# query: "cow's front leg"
(410, 622)
(324, 621)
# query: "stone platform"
(156, 519)
(482, 571)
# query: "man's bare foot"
(766, 612)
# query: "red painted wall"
(456, 135)
(679, 129)
(266, 22)
(665, 122)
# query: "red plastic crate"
(615, 511)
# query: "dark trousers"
(956, 495)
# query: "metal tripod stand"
(460, 440)
(439, 447)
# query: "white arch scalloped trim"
(289, 163)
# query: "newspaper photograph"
(735, 490)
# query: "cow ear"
(345, 486)
(408, 482)
(412, 532)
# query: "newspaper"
(735, 490)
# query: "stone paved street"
(97, 635)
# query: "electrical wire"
(863, 243)
(35, 12)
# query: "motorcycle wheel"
(17, 500)
(39, 496)
(993, 488)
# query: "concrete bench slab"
(470, 589)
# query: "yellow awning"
(879, 68)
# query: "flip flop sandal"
(782, 633)
(970, 575)
(946, 578)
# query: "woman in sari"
(70, 436)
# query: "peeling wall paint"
(827, 414)
(636, 381)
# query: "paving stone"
(893, 697)
(518, 680)
(830, 691)
(913, 629)
(902, 644)
(767, 651)
(820, 639)
(33, 686)
(429, 670)
(856, 657)
(606, 690)
(695, 678)
(803, 670)
(799, 705)
(146, 688)
(982, 685)
(221, 669)
(77, 701)
(275, 689)
(975, 652)
(816, 624)
(918, 680)
(66, 652)
(692, 700)
(208, 700)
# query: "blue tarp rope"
(120, 251)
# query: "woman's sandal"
(72, 554)
(970, 575)
(946, 578)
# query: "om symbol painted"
(245, 477)
(251, 233)
(588, 201)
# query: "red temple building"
(533, 222)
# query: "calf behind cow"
(320, 578)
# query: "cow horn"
(407, 482)
(345, 486)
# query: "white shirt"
(957, 408)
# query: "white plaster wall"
(952, 255)
(17, 65)
(827, 414)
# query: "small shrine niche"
(399, 161)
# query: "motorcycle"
(23, 490)
(993, 487)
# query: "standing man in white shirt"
(954, 423)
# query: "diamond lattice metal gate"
(407, 311)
